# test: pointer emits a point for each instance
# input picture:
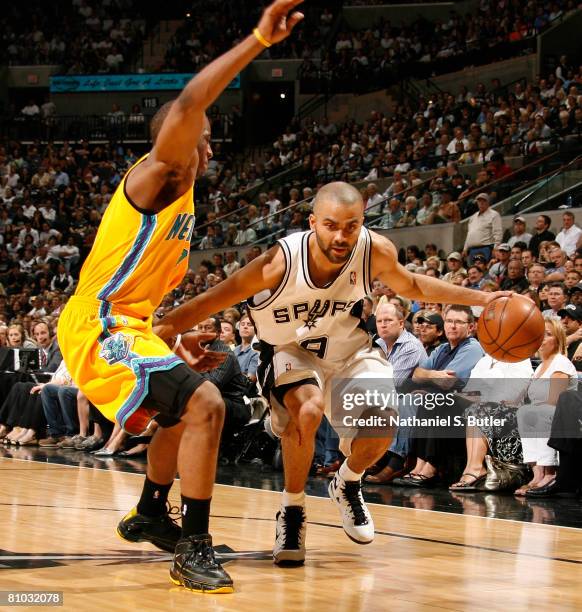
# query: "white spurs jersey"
(326, 321)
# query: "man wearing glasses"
(448, 368)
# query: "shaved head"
(337, 193)
(158, 119)
(337, 218)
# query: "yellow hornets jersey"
(138, 257)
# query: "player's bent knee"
(310, 415)
(205, 407)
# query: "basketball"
(511, 329)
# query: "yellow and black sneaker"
(162, 531)
(195, 567)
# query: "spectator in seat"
(404, 352)
(248, 358)
(542, 234)
(245, 234)
(527, 259)
(227, 333)
(515, 280)
(570, 234)
(59, 404)
(557, 298)
(448, 368)
(232, 265)
(62, 280)
(475, 278)
(431, 330)
(535, 276)
(498, 270)
(519, 233)
(555, 374)
(454, 265)
(501, 387)
(571, 316)
(576, 295)
(16, 337)
(233, 385)
(568, 480)
(484, 229)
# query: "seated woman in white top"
(555, 374)
(501, 386)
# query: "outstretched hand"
(277, 22)
(196, 356)
(493, 295)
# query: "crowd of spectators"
(483, 127)
(379, 52)
(207, 33)
(53, 199)
(424, 342)
(104, 37)
(82, 36)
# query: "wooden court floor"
(57, 532)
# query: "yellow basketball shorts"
(114, 357)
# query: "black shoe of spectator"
(552, 489)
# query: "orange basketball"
(511, 329)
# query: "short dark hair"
(217, 324)
(558, 285)
(547, 220)
(461, 308)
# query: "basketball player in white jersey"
(305, 296)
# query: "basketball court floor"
(433, 550)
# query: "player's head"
(203, 146)
(338, 215)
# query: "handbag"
(503, 476)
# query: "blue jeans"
(59, 405)
(326, 443)
(486, 251)
(402, 440)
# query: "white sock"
(293, 499)
(347, 474)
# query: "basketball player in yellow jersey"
(105, 332)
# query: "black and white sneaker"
(289, 547)
(356, 518)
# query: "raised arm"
(264, 272)
(174, 157)
(385, 266)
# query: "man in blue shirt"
(447, 369)
(248, 358)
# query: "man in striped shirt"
(404, 351)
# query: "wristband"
(261, 38)
(177, 343)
